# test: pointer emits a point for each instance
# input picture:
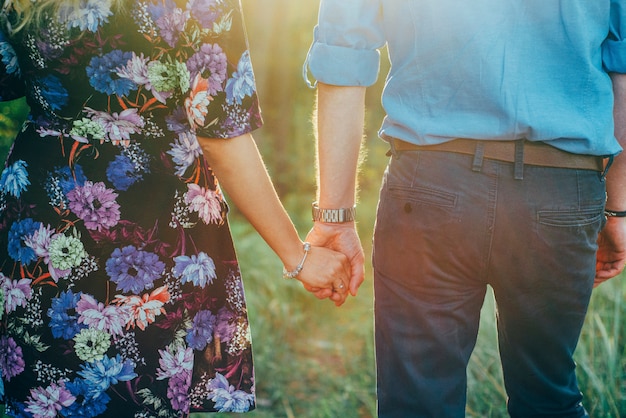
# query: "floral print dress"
(121, 293)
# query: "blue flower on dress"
(20, 231)
(205, 12)
(90, 401)
(200, 269)
(69, 179)
(101, 374)
(226, 398)
(53, 92)
(102, 73)
(14, 178)
(178, 121)
(16, 410)
(201, 332)
(89, 14)
(63, 318)
(122, 173)
(134, 270)
(158, 9)
(62, 181)
(9, 59)
(241, 84)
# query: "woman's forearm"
(239, 167)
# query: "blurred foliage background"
(317, 361)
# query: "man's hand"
(328, 272)
(344, 238)
(611, 256)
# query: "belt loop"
(392, 148)
(519, 159)
(606, 168)
(479, 153)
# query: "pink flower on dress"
(16, 292)
(206, 202)
(174, 361)
(102, 317)
(185, 151)
(198, 101)
(144, 309)
(11, 358)
(95, 205)
(136, 70)
(40, 243)
(47, 402)
(178, 391)
(118, 126)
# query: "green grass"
(601, 354)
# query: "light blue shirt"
(485, 69)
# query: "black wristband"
(615, 213)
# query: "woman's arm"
(240, 170)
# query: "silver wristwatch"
(333, 215)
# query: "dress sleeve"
(346, 41)
(11, 84)
(233, 107)
(614, 48)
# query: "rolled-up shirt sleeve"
(345, 43)
(614, 48)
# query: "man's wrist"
(327, 215)
(614, 213)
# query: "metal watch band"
(332, 215)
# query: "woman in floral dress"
(121, 291)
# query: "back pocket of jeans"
(570, 218)
(423, 195)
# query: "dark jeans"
(443, 233)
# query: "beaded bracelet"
(615, 213)
(294, 273)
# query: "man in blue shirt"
(502, 117)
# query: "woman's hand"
(328, 272)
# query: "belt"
(535, 153)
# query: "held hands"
(327, 271)
(340, 237)
(611, 255)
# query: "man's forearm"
(340, 117)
